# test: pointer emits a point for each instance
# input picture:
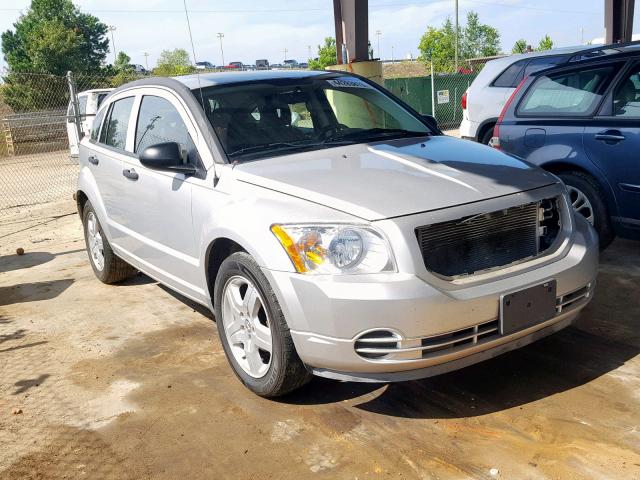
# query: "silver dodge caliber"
(330, 228)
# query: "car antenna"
(193, 50)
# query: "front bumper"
(327, 315)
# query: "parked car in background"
(290, 63)
(136, 67)
(356, 242)
(234, 66)
(205, 65)
(581, 121)
(262, 64)
(303, 65)
(88, 101)
(487, 94)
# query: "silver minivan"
(330, 228)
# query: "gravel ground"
(130, 381)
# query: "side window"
(114, 132)
(541, 63)
(626, 98)
(101, 97)
(160, 122)
(300, 116)
(512, 75)
(354, 111)
(82, 105)
(97, 121)
(566, 94)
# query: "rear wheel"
(487, 135)
(253, 330)
(587, 200)
(105, 264)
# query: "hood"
(400, 177)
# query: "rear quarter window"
(575, 93)
(512, 75)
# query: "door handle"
(130, 173)
(93, 160)
(610, 136)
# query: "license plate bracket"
(527, 307)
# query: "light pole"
(146, 60)
(309, 49)
(220, 37)
(113, 42)
(378, 33)
(285, 53)
(456, 46)
(391, 53)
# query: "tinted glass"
(115, 132)
(626, 98)
(566, 94)
(511, 76)
(541, 63)
(160, 122)
(101, 97)
(292, 115)
(97, 121)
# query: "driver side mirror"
(431, 121)
(166, 157)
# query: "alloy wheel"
(246, 326)
(580, 203)
(94, 240)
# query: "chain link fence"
(38, 119)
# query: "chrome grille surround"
(387, 344)
(491, 241)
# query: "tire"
(111, 269)
(487, 135)
(581, 183)
(281, 370)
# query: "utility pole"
(457, 30)
(220, 37)
(113, 42)
(285, 53)
(309, 48)
(146, 60)
(392, 54)
(378, 33)
(581, 36)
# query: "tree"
(474, 40)
(173, 62)
(53, 37)
(122, 62)
(479, 39)
(326, 55)
(545, 43)
(520, 46)
(438, 45)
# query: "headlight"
(332, 249)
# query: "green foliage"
(122, 62)
(326, 55)
(520, 46)
(545, 43)
(53, 37)
(474, 40)
(173, 62)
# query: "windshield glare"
(275, 117)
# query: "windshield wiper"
(279, 146)
(374, 134)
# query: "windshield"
(282, 116)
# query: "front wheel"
(587, 200)
(253, 330)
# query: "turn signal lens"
(334, 249)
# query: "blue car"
(581, 121)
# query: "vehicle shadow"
(9, 263)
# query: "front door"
(158, 221)
(613, 144)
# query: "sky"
(256, 29)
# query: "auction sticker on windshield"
(350, 82)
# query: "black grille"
(489, 240)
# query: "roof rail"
(597, 51)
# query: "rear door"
(612, 142)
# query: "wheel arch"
(559, 166)
(487, 124)
(216, 253)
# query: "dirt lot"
(130, 381)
